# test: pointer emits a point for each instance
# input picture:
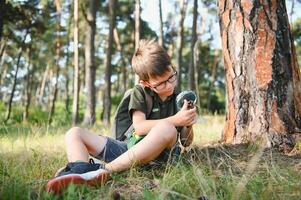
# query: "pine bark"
(2, 48)
(76, 83)
(123, 61)
(180, 42)
(161, 36)
(57, 59)
(90, 67)
(192, 45)
(261, 69)
(10, 101)
(28, 89)
(41, 90)
(3, 71)
(108, 69)
(137, 30)
(66, 71)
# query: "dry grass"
(29, 157)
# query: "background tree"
(137, 29)
(192, 46)
(107, 93)
(90, 63)
(76, 66)
(2, 10)
(10, 101)
(180, 42)
(58, 7)
(262, 75)
(161, 36)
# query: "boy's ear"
(144, 83)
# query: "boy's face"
(163, 85)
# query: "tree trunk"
(124, 63)
(76, 67)
(90, 64)
(212, 78)
(197, 67)
(2, 2)
(3, 72)
(41, 90)
(161, 37)
(2, 49)
(197, 70)
(57, 59)
(262, 76)
(3, 69)
(8, 111)
(180, 39)
(137, 30)
(67, 99)
(192, 44)
(28, 88)
(108, 70)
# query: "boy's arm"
(141, 125)
(185, 117)
(186, 136)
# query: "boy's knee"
(73, 133)
(167, 130)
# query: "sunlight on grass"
(39, 139)
(208, 129)
(29, 157)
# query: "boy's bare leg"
(162, 136)
(81, 142)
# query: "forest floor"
(29, 156)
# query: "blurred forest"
(67, 62)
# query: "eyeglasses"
(162, 85)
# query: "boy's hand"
(187, 116)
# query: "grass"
(30, 155)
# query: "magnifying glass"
(189, 95)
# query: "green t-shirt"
(161, 109)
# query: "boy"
(160, 131)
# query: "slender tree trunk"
(108, 70)
(76, 67)
(180, 39)
(2, 2)
(212, 78)
(2, 77)
(192, 45)
(197, 74)
(117, 85)
(197, 66)
(90, 64)
(8, 111)
(66, 71)
(123, 61)
(137, 30)
(2, 49)
(292, 13)
(262, 76)
(161, 37)
(40, 93)
(3, 72)
(28, 88)
(9, 106)
(3, 69)
(57, 66)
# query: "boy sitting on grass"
(160, 131)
